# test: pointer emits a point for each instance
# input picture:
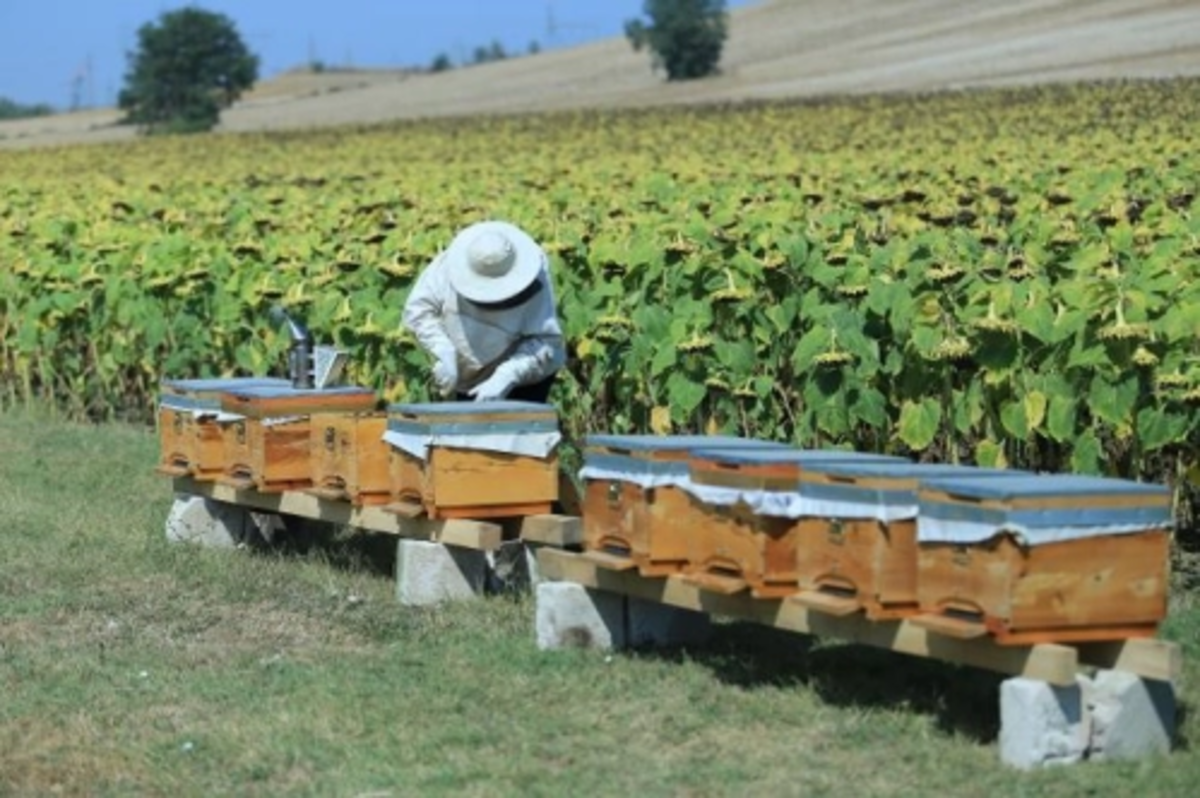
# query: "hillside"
(776, 49)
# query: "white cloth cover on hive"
(527, 444)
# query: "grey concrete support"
(431, 573)
(206, 522)
(1132, 717)
(573, 616)
(1042, 724)
(1113, 715)
(511, 568)
(570, 615)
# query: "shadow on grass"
(344, 548)
(1180, 740)
(963, 700)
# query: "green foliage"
(441, 63)
(10, 109)
(685, 36)
(186, 69)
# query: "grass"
(131, 666)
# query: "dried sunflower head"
(996, 325)
(732, 294)
(697, 343)
(1144, 357)
(944, 273)
(953, 348)
(1124, 331)
(833, 358)
(1172, 380)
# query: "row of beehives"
(445, 460)
(963, 550)
(968, 551)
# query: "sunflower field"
(1000, 277)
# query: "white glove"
(445, 371)
(494, 387)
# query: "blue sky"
(46, 45)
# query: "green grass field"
(132, 667)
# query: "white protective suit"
(520, 345)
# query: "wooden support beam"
(562, 531)
(453, 531)
(1147, 657)
(1050, 662)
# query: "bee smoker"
(300, 355)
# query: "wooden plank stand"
(742, 532)
(1047, 558)
(634, 513)
(190, 440)
(862, 555)
(268, 449)
(350, 458)
(472, 459)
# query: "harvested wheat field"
(776, 49)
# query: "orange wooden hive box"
(636, 513)
(865, 556)
(492, 459)
(268, 448)
(754, 516)
(350, 457)
(1046, 558)
(189, 424)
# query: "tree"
(186, 69)
(441, 63)
(685, 36)
(11, 109)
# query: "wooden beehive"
(268, 447)
(472, 459)
(189, 419)
(635, 512)
(1046, 558)
(350, 457)
(755, 514)
(865, 555)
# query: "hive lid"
(1025, 486)
(1039, 509)
(501, 406)
(288, 391)
(677, 443)
(215, 385)
(286, 401)
(786, 456)
(862, 468)
(498, 418)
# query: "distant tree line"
(10, 109)
(481, 55)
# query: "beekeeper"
(484, 310)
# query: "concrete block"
(1132, 717)
(573, 616)
(654, 624)
(508, 568)
(531, 565)
(206, 522)
(1042, 724)
(430, 573)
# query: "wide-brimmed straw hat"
(493, 261)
